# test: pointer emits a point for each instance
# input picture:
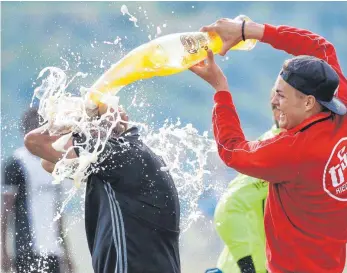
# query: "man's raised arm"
(298, 41)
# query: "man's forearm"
(226, 126)
(39, 143)
(254, 30)
(298, 41)
(47, 165)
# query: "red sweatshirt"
(306, 212)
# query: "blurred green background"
(35, 35)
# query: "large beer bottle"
(163, 56)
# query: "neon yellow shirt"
(239, 220)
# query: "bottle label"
(192, 43)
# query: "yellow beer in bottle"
(166, 55)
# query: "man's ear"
(310, 102)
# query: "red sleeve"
(297, 41)
(273, 163)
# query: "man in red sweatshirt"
(306, 165)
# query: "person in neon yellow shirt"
(239, 220)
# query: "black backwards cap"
(313, 76)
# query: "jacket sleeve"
(253, 158)
(297, 41)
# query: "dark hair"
(30, 120)
(324, 109)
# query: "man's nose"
(274, 100)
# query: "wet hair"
(30, 120)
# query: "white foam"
(124, 10)
(66, 114)
(102, 64)
(59, 144)
(184, 150)
(118, 39)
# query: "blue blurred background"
(35, 35)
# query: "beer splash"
(184, 150)
(124, 10)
